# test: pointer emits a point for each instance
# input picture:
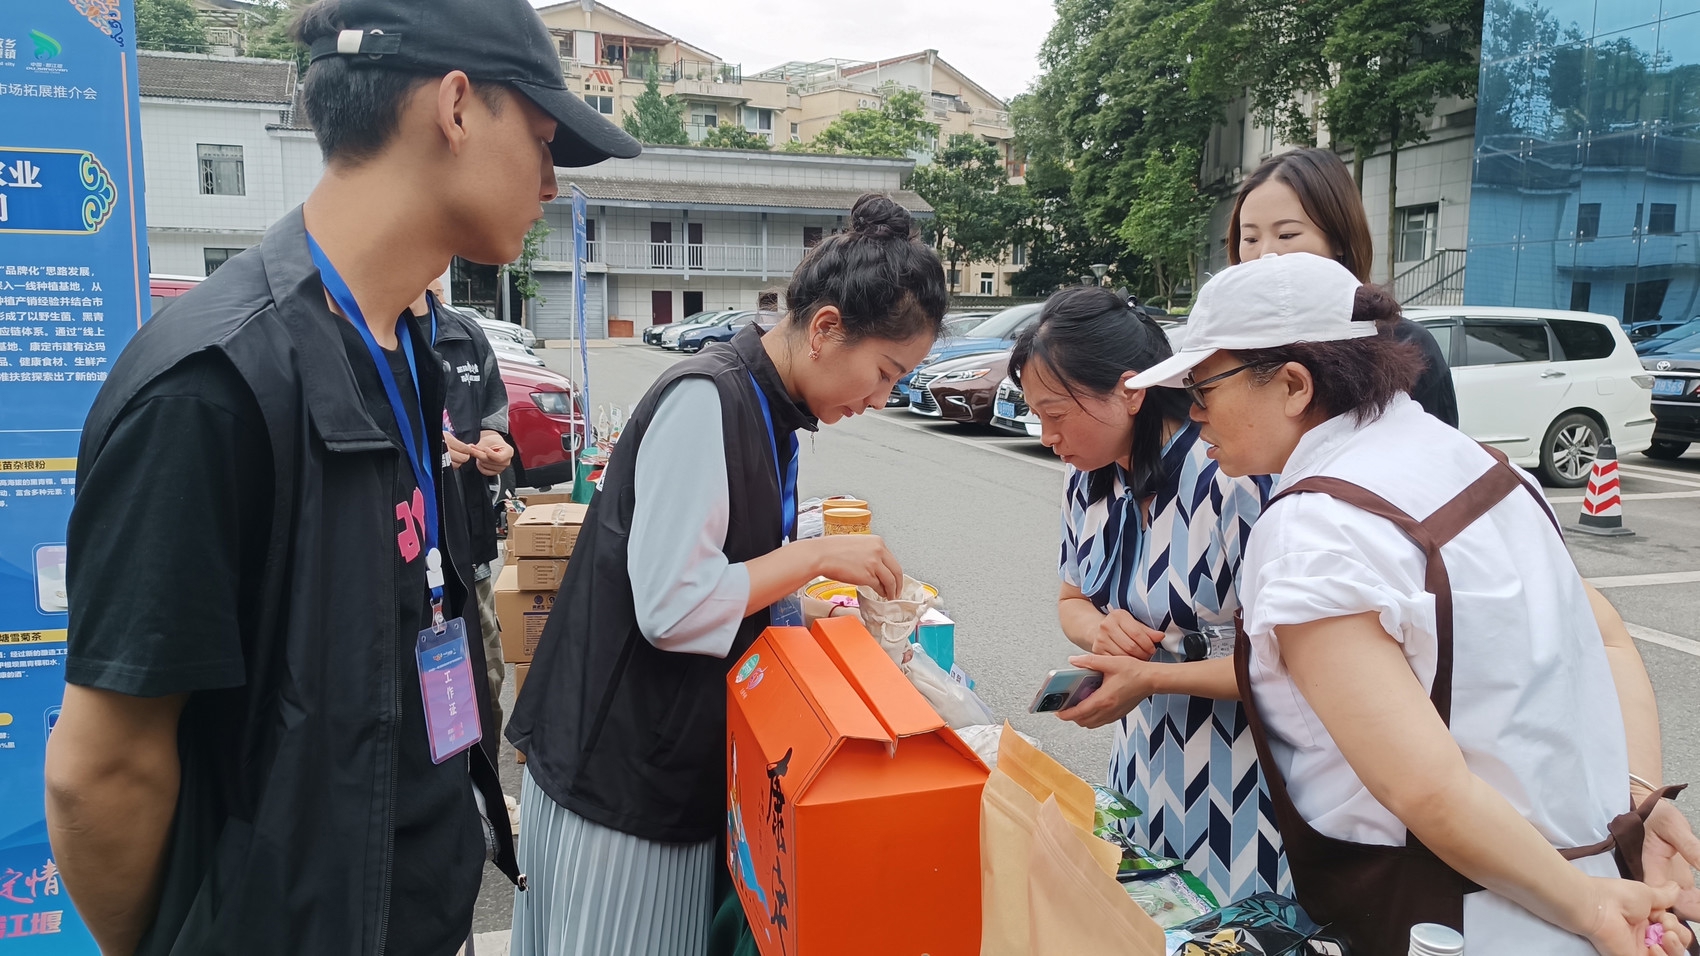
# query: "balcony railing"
(731, 259)
(995, 118)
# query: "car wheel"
(1666, 450)
(1569, 449)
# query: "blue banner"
(581, 255)
(73, 260)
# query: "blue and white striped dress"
(1188, 762)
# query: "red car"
(164, 288)
(544, 426)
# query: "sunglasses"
(1196, 390)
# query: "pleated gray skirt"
(599, 892)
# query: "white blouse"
(1534, 708)
(689, 597)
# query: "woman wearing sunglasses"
(1429, 693)
(1152, 533)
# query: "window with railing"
(221, 170)
(1417, 228)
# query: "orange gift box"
(853, 812)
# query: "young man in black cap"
(266, 741)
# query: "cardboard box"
(522, 615)
(520, 672)
(848, 796)
(541, 574)
(547, 498)
(546, 531)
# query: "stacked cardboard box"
(540, 541)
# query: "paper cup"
(848, 521)
(842, 501)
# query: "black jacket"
(1433, 389)
(297, 858)
(476, 399)
(618, 732)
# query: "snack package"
(1267, 924)
(959, 706)
(1137, 863)
(983, 738)
(1169, 900)
(1113, 808)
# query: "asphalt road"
(975, 513)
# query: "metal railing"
(735, 259)
(1437, 280)
(985, 117)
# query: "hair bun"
(879, 217)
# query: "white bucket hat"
(1261, 304)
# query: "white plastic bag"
(892, 622)
(983, 740)
(958, 705)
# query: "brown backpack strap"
(1431, 534)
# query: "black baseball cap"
(498, 41)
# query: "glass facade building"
(1586, 170)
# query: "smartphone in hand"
(1065, 688)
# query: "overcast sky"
(995, 42)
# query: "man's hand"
(498, 454)
(1127, 682)
(1120, 634)
(459, 452)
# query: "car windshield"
(1006, 324)
(1683, 331)
(1690, 344)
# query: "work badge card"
(451, 697)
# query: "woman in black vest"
(679, 567)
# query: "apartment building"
(609, 57)
(683, 229)
(1431, 205)
(226, 154)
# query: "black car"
(1676, 397)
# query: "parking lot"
(976, 513)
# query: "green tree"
(733, 136)
(1166, 222)
(169, 25)
(656, 119)
(522, 273)
(1273, 50)
(265, 32)
(1393, 60)
(897, 128)
(975, 210)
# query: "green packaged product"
(1113, 807)
(1170, 899)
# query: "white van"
(1544, 386)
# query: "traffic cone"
(1602, 507)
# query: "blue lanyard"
(416, 455)
(787, 476)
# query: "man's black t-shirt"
(1433, 389)
(171, 530)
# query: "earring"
(814, 353)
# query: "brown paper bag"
(1074, 908)
(1012, 860)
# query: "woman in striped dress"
(1152, 533)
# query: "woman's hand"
(1120, 634)
(859, 559)
(1127, 682)
(1622, 912)
(1671, 853)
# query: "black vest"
(284, 845)
(620, 733)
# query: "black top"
(475, 393)
(622, 733)
(237, 538)
(197, 431)
(1433, 390)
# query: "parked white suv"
(1544, 386)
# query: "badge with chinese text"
(451, 697)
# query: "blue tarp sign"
(73, 260)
